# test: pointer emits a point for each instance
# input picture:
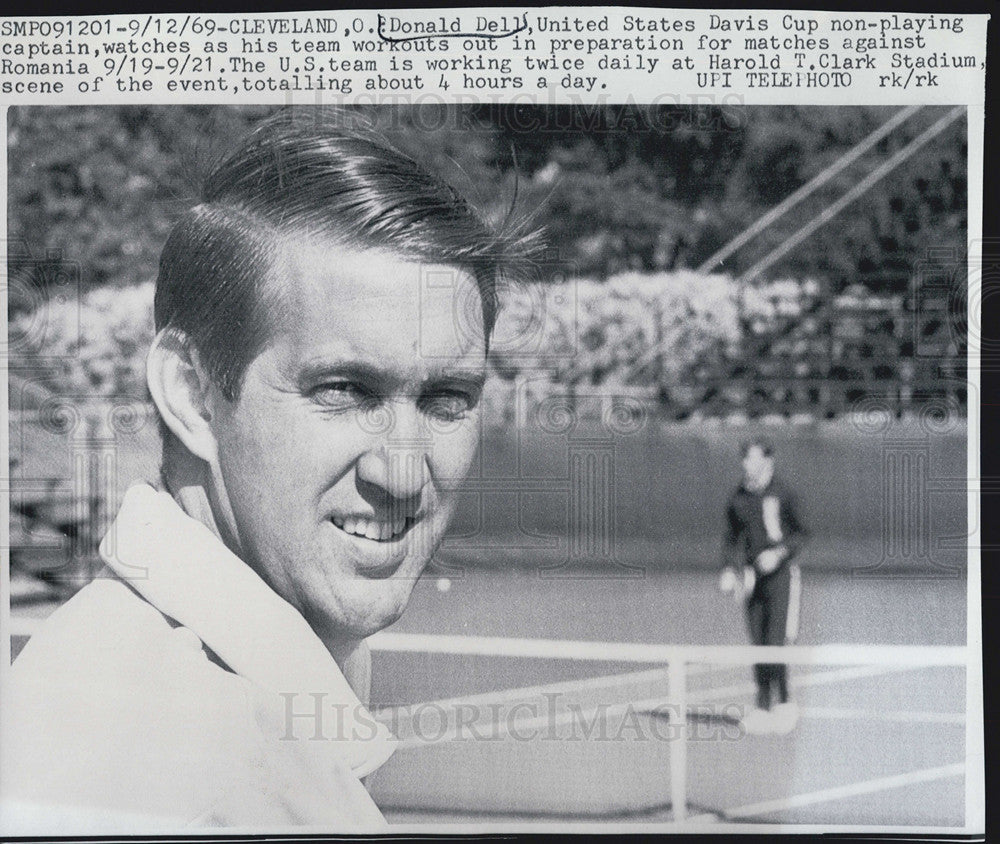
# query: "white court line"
(841, 791)
(493, 646)
(506, 695)
(498, 731)
(517, 727)
(816, 678)
(903, 717)
(583, 684)
(921, 656)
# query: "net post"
(677, 691)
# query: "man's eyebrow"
(473, 378)
(314, 371)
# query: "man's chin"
(360, 622)
(373, 626)
(363, 628)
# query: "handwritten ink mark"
(498, 35)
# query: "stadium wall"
(876, 496)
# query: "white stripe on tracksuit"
(794, 596)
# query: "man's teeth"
(378, 531)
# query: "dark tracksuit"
(756, 521)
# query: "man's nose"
(401, 472)
(397, 460)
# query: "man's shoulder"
(107, 644)
(112, 706)
(109, 649)
(104, 623)
(105, 600)
(116, 716)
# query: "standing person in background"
(763, 534)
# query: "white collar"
(184, 570)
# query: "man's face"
(337, 466)
(757, 467)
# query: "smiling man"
(323, 319)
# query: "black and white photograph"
(490, 465)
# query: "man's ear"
(180, 389)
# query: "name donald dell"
(480, 25)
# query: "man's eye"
(448, 404)
(339, 394)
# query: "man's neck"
(188, 481)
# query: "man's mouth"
(374, 529)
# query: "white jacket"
(179, 692)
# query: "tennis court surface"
(501, 723)
(572, 733)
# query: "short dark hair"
(323, 173)
(761, 442)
